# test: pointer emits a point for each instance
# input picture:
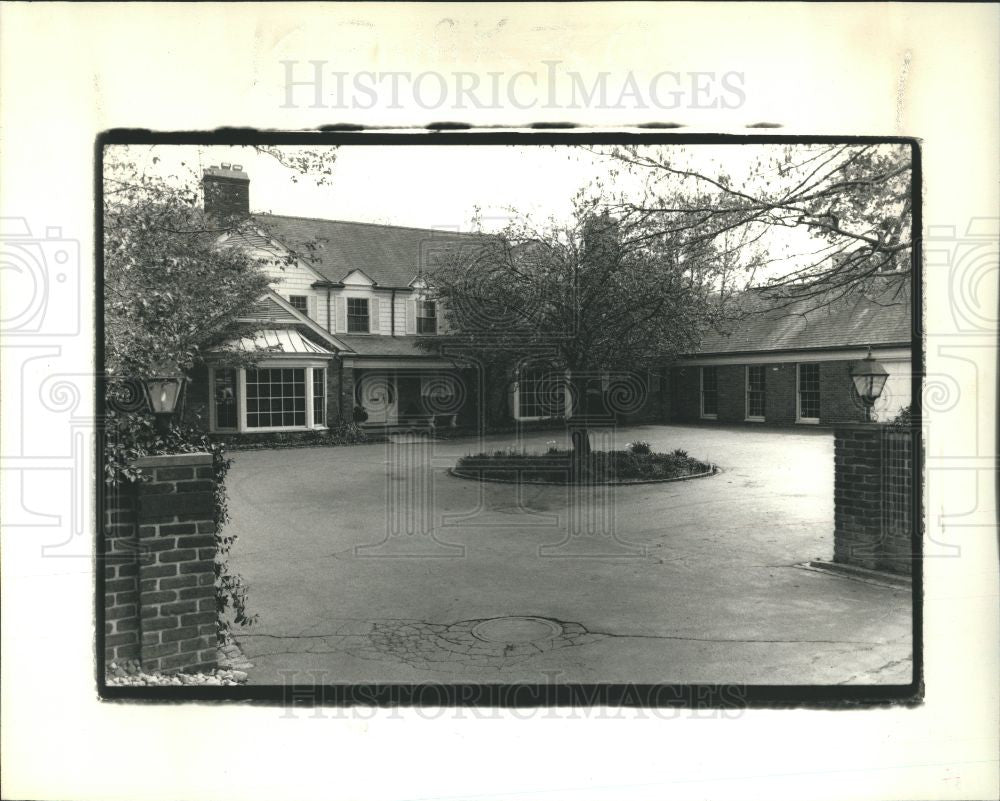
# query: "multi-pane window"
(809, 391)
(357, 316)
(540, 394)
(755, 391)
(300, 302)
(426, 317)
(224, 390)
(276, 397)
(709, 392)
(319, 396)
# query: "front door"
(378, 395)
(410, 402)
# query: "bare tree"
(854, 200)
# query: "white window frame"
(347, 314)
(241, 397)
(517, 404)
(754, 418)
(701, 392)
(418, 317)
(798, 395)
(305, 309)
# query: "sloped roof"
(268, 308)
(380, 345)
(879, 317)
(390, 255)
(284, 341)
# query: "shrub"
(561, 467)
(679, 453)
(904, 419)
(639, 447)
(360, 414)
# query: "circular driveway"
(363, 560)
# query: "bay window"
(268, 397)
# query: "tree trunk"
(579, 435)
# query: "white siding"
(297, 279)
(382, 298)
(896, 393)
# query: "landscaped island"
(638, 464)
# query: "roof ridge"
(359, 222)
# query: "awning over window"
(278, 341)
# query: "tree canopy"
(600, 294)
(170, 293)
(853, 200)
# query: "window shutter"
(311, 307)
(411, 317)
(340, 318)
(442, 322)
(373, 320)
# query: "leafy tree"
(170, 295)
(600, 294)
(853, 200)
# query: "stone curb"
(875, 577)
(714, 471)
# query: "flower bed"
(599, 467)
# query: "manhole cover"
(517, 629)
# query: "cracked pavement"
(370, 564)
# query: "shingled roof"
(391, 255)
(879, 318)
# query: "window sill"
(809, 421)
(710, 417)
(754, 420)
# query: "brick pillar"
(872, 497)
(176, 536)
(121, 576)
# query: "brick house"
(791, 365)
(349, 301)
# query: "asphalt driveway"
(372, 564)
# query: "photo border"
(515, 695)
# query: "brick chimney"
(227, 192)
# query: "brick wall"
(873, 468)
(838, 401)
(685, 397)
(780, 393)
(159, 600)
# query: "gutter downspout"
(340, 387)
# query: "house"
(790, 363)
(335, 340)
(337, 332)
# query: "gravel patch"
(130, 674)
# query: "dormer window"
(357, 316)
(427, 317)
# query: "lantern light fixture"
(869, 378)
